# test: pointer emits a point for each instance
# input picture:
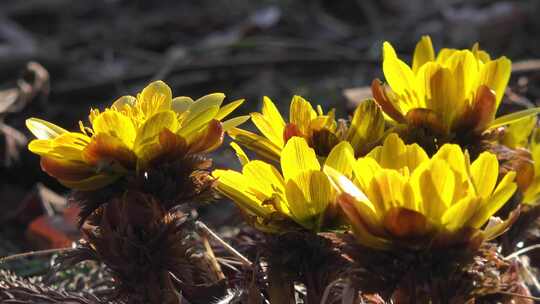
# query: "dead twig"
(35, 254)
(204, 229)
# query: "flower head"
(455, 91)
(135, 133)
(298, 196)
(321, 131)
(401, 197)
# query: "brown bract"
(183, 181)
(451, 275)
(153, 254)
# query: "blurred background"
(60, 57)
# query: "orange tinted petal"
(208, 140)
(290, 130)
(105, 148)
(484, 108)
(386, 105)
(405, 223)
(171, 142)
(66, 170)
(171, 146)
(426, 118)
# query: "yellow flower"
(517, 134)
(522, 137)
(132, 135)
(271, 200)
(531, 194)
(457, 91)
(321, 131)
(401, 197)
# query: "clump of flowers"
(321, 131)
(450, 97)
(403, 201)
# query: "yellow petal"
(444, 54)
(234, 185)
(479, 54)
(43, 129)
(152, 127)
(263, 177)
(392, 189)
(484, 172)
(66, 146)
(234, 122)
(181, 104)
(367, 126)
(242, 156)
(505, 189)
(423, 53)
(435, 183)
(517, 134)
(117, 125)
(464, 67)
(341, 158)
(364, 170)
(394, 154)
(40, 146)
(342, 184)
(271, 112)
(228, 109)
(204, 103)
(460, 213)
(201, 112)
(513, 117)
(155, 97)
(454, 156)
(268, 128)
(496, 226)
(534, 147)
(297, 157)
(124, 103)
(308, 195)
(396, 72)
(197, 120)
(495, 74)
(301, 113)
(442, 92)
(532, 194)
(357, 219)
(256, 143)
